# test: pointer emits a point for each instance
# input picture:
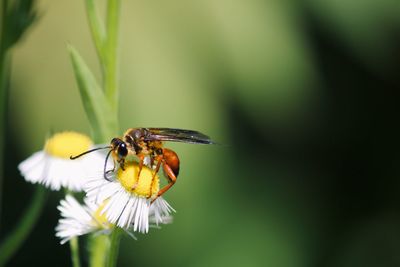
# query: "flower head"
(128, 199)
(80, 219)
(52, 166)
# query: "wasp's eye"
(122, 150)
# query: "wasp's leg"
(141, 161)
(171, 181)
(159, 160)
(121, 163)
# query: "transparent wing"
(177, 135)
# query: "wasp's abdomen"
(172, 160)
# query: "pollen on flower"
(99, 217)
(128, 178)
(66, 144)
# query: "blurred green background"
(303, 95)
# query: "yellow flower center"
(100, 218)
(128, 179)
(66, 144)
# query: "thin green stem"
(97, 29)
(74, 246)
(99, 246)
(30, 216)
(5, 65)
(5, 62)
(114, 248)
(111, 79)
(103, 251)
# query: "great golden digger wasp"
(146, 144)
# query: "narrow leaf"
(102, 117)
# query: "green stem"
(15, 239)
(74, 246)
(106, 45)
(114, 248)
(111, 79)
(97, 29)
(99, 246)
(5, 62)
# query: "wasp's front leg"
(121, 163)
(141, 163)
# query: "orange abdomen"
(172, 160)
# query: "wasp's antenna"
(89, 151)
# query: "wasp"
(147, 145)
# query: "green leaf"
(102, 117)
(19, 15)
(97, 29)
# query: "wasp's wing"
(177, 135)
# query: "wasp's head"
(119, 148)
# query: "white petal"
(56, 172)
(126, 209)
(76, 219)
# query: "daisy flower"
(126, 205)
(53, 167)
(80, 219)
